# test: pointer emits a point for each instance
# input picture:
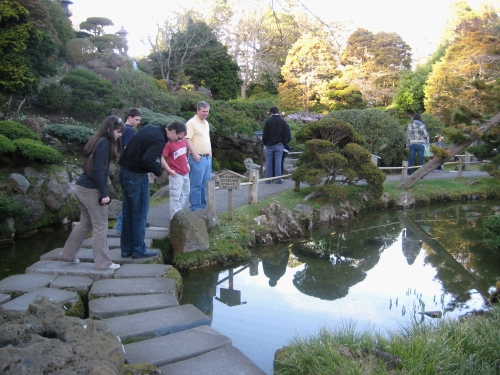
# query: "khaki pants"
(93, 218)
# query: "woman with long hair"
(93, 197)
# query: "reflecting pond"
(380, 270)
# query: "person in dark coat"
(275, 136)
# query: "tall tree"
(309, 66)
(96, 25)
(374, 63)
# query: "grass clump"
(469, 345)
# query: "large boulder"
(19, 183)
(56, 195)
(35, 124)
(45, 341)
(188, 232)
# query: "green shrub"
(6, 145)
(10, 208)
(153, 118)
(71, 133)
(37, 151)
(53, 99)
(14, 130)
(492, 232)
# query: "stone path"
(138, 303)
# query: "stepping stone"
(141, 270)
(60, 297)
(179, 346)
(4, 298)
(17, 285)
(131, 287)
(114, 243)
(154, 233)
(117, 306)
(87, 255)
(227, 360)
(69, 269)
(78, 284)
(150, 324)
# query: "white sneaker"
(76, 261)
(114, 266)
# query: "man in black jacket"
(142, 155)
(276, 134)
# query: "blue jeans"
(119, 222)
(416, 148)
(135, 190)
(200, 172)
(274, 156)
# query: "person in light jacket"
(416, 138)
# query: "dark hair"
(110, 124)
(417, 117)
(178, 126)
(274, 110)
(202, 104)
(133, 112)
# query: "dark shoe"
(148, 225)
(146, 254)
(278, 182)
(126, 256)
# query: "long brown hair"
(110, 124)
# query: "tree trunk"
(19, 107)
(455, 149)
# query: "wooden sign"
(229, 180)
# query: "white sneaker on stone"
(114, 266)
(76, 261)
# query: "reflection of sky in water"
(272, 316)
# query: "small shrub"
(53, 99)
(6, 145)
(492, 232)
(153, 118)
(10, 208)
(72, 133)
(14, 130)
(37, 151)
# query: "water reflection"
(380, 269)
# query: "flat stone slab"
(162, 322)
(154, 233)
(226, 360)
(114, 243)
(60, 297)
(4, 298)
(87, 255)
(117, 306)
(179, 346)
(78, 284)
(141, 270)
(131, 287)
(69, 269)
(17, 285)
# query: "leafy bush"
(6, 145)
(139, 89)
(492, 232)
(10, 208)
(79, 51)
(37, 151)
(91, 96)
(71, 133)
(53, 99)
(14, 130)
(150, 117)
(383, 134)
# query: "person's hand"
(196, 157)
(173, 174)
(105, 200)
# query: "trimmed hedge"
(14, 130)
(37, 151)
(72, 133)
(6, 145)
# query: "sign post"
(229, 180)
